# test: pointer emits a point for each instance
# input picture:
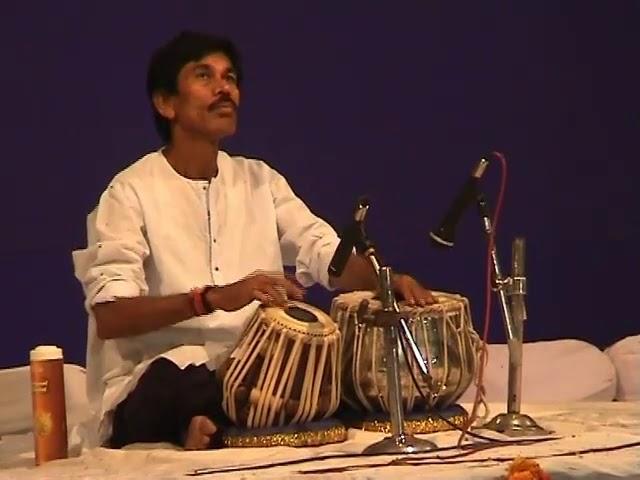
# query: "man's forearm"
(358, 274)
(126, 317)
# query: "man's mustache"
(223, 100)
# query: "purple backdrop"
(397, 100)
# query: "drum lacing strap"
(248, 348)
(286, 382)
(271, 368)
(355, 374)
(311, 383)
(254, 404)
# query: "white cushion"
(625, 355)
(553, 372)
(15, 398)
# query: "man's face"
(207, 99)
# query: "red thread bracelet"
(196, 300)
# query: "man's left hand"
(410, 289)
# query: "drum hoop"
(449, 303)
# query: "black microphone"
(349, 237)
(444, 235)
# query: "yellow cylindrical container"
(49, 409)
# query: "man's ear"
(163, 103)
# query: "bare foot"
(199, 433)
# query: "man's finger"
(295, 291)
(292, 289)
(427, 297)
(409, 299)
(263, 298)
(421, 300)
(277, 297)
(405, 288)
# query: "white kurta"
(157, 233)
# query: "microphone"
(444, 235)
(349, 237)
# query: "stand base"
(403, 443)
(515, 425)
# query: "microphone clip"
(352, 236)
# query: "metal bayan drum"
(284, 370)
(443, 333)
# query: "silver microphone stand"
(400, 441)
(512, 423)
(390, 319)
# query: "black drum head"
(301, 314)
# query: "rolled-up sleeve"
(112, 264)
(306, 241)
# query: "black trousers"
(161, 406)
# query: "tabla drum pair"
(292, 366)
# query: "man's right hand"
(267, 287)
